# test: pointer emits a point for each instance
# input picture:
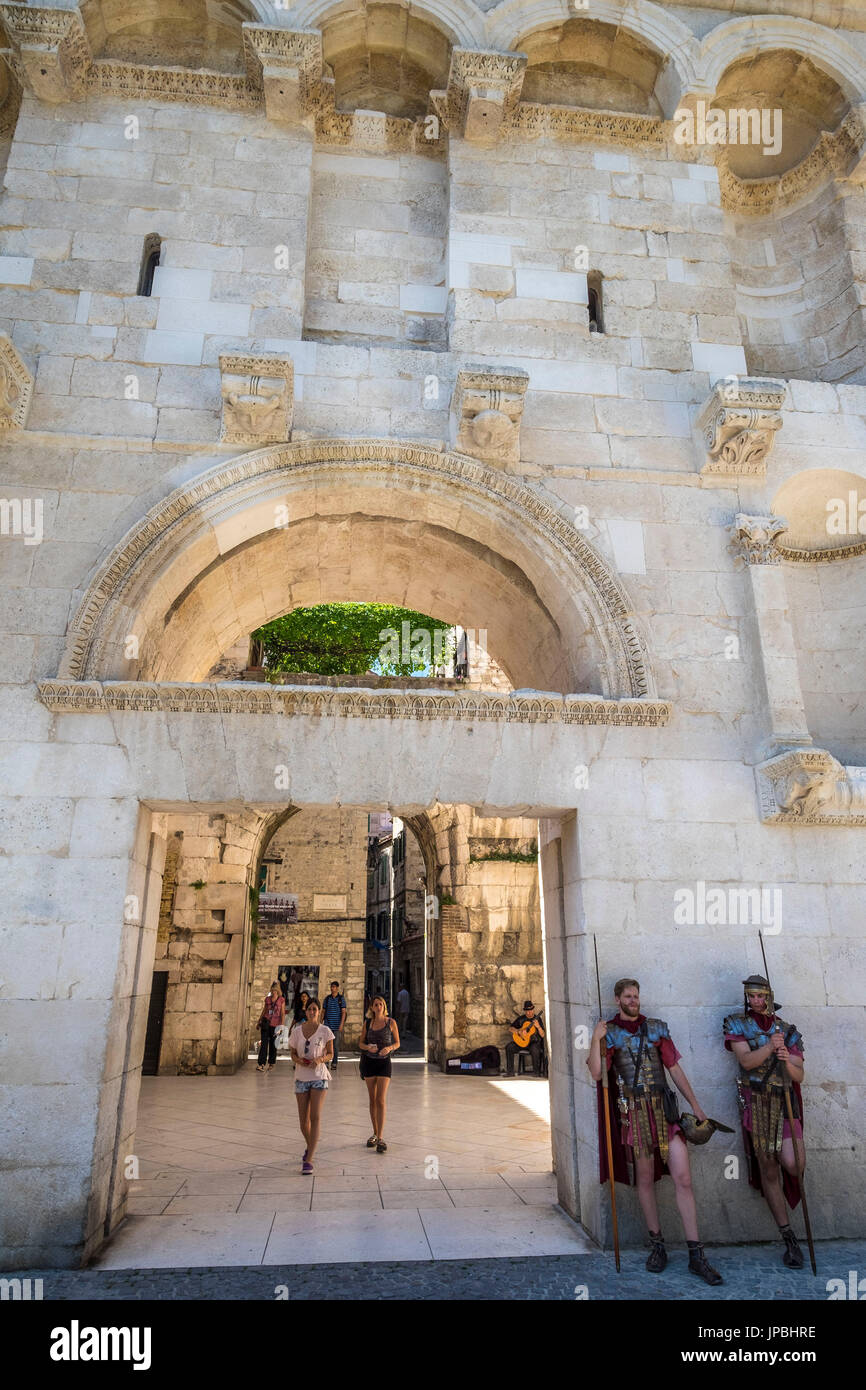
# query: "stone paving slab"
(750, 1272)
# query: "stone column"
(754, 542)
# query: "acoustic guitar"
(523, 1034)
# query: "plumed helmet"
(699, 1131)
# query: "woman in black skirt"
(379, 1038)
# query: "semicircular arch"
(762, 34)
(500, 532)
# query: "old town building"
(543, 318)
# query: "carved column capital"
(488, 406)
(258, 399)
(808, 786)
(753, 538)
(50, 52)
(286, 64)
(739, 424)
(16, 387)
(482, 95)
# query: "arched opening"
(186, 33)
(591, 64)
(384, 58)
(434, 532)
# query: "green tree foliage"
(337, 639)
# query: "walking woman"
(379, 1038)
(301, 1003)
(312, 1045)
(272, 1015)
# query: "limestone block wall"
(205, 946)
(316, 853)
(213, 186)
(487, 954)
(799, 280)
(375, 264)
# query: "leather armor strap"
(636, 1077)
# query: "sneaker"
(700, 1265)
(658, 1256)
(306, 1168)
(793, 1256)
(372, 1141)
(381, 1146)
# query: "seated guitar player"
(527, 1032)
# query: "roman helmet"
(699, 1131)
(757, 983)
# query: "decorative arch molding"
(744, 38)
(460, 20)
(658, 28)
(136, 569)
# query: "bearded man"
(648, 1137)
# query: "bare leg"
(382, 1084)
(678, 1165)
(371, 1092)
(317, 1100)
(304, 1113)
(771, 1181)
(644, 1170)
(790, 1156)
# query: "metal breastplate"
(768, 1073)
(625, 1051)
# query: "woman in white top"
(312, 1045)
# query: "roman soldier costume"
(644, 1116)
(761, 1095)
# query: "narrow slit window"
(594, 302)
(149, 261)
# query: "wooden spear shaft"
(786, 1082)
(607, 1130)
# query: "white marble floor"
(467, 1173)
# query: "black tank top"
(382, 1037)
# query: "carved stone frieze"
(50, 53)
(149, 543)
(521, 707)
(287, 65)
(839, 152)
(534, 119)
(808, 786)
(482, 95)
(488, 405)
(753, 538)
(258, 399)
(198, 87)
(16, 387)
(739, 424)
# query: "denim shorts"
(302, 1086)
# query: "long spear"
(786, 1082)
(607, 1132)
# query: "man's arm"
(681, 1081)
(342, 1019)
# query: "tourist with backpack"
(334, 1016)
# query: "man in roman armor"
(768, 1052)
(648, 1138)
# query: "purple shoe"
(306, 1168)
(304, 1155)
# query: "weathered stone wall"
(375, 265)
(319, 852)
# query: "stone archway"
(579, 631)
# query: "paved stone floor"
(221, 1185)
(752, 1272)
